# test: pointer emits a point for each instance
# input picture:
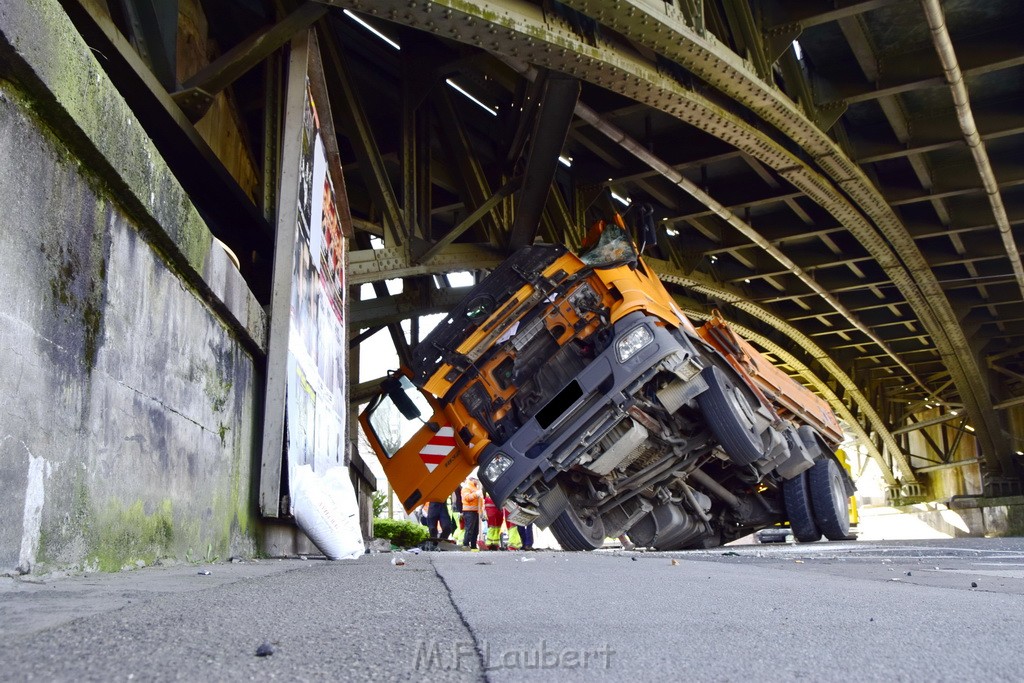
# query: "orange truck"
(593, 406)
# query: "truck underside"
(594, 407)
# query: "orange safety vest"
(472, 498)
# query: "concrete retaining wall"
(129, 346)
(973, 516)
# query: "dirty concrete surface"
(909, 610)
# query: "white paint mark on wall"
(35, 491)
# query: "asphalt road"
(900, 611)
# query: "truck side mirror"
(648, 233)
(392, 386)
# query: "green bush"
(399, 531)
(380, 501)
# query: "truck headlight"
(498, 465)
(631, 342)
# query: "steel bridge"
(843, 178)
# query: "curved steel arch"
(667, 34)
(521, 31)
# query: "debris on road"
(675, 563)
(397, 561)
(265, 650)
(203, 572)
(974, 584)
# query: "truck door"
(415, 443)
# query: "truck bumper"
(553, 442)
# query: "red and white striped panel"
(438, 448)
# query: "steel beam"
(364, 391)
(387, 310)
(550, 128)
(808, 15)
(196, 94)
(273, 442)
(350, 108)
(372, 265)
(362, 336)
(394, 327)
(470, 220)
(926, 138)
(154, 26)
(747, 37)
(417, 80)
(474, 189)
(982, 54)
(965, 115)
(568, 228)
(949, 465)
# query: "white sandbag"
(325, 508)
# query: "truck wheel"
(828, 496)
(574, 532)
(796, 496)
(729, 411)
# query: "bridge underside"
(843, 179)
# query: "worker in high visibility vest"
(472, 509)
(495, 520)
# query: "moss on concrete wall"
(131, 435)
(120, 536)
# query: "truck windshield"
(613, 248)
(393, 429)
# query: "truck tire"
(729, 411)
(829, 499)
(575, 533)
(797, 498)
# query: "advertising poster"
(303, 469)
(316, 405)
